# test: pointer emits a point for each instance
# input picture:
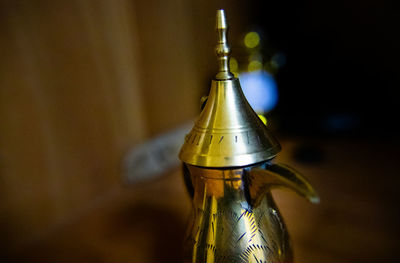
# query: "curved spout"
(261, 181)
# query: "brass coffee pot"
(228, 168)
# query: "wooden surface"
(356, 221)
(81, 83)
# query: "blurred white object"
(150, 159)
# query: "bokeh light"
(260, 89)
(252, 39)
(263, 119)
(234, 65)
(278, 60)
(254, 65)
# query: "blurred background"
(95, 97)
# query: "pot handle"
(276, 175)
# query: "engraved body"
(226, 227)
(228, 171)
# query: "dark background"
(342, 70)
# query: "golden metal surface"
(228, 132)
(229, 176)
(222, 49)
(227, 227)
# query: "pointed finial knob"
(222, 49)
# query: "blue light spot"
(260, 89)
(341, 122)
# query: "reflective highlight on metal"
(222, 49)
(228, 132)
(234, 217)
(229, 174)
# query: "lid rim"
(219, 161)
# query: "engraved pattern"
(227, 229)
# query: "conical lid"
(228, 132)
